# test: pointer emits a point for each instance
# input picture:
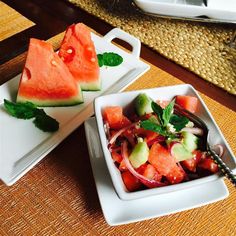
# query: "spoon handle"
(223, 168)
(205, 2)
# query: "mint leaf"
(165, 116)
(158, 110)
(149, 125)
(29, 110)
(179, 122)
(46, 123)
(167, 112)
(154, 120)
(20, 110)
(109, 59)
(112, 59)
(100, 60)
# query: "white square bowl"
(161, 93)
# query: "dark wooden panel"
(35, 13)
(46, 27)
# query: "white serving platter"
(117, 211)
(216, 11)
(22, 145)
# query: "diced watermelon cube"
(130, 181)
(115, 118)
(191, 164)
(176, 175)
(116, 157)
(187, 102)
(161, 159)
(113, 115)
(208, 164)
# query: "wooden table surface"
(51, 18)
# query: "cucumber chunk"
(179, 152)
(190, 141)
(142, 104)
(139, 154)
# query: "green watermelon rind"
(70, 101)
(91, 86)
(51, 103)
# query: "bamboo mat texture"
(58, 196)
(201, 48)
(12, 22)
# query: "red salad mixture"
(154, 147)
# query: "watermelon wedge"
(78, 53)
(46, 80)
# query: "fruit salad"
(154, 147)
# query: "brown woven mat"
(199, 47)
(58, 196)
(12, 22)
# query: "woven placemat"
(201, 48)
(58, 196)
(12, 22)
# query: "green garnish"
(150, 125)
(158, 110)
(46, 123)
(29, 110)
(165, 117)
(167, 112)
(20, 110)
(179, 122)
(100, 60)
(109, 59)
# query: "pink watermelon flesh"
(78, 53)
(46, 80)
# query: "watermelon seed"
(69, 51)
(26, 74)
(53, 62)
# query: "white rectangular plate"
(117, 211)
(22, 145)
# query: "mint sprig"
(149, 125)
(159, 111)
(100, 60)
(109, 59)
(29, 110)
(45, 122)
(167, 112)
(179, 122)
(20, 110)
(165, 116)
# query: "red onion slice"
(157, 139)
(219, 149)
(149, 183)
(107, 130)
(118, 133)
(194, 130)
(203, 156)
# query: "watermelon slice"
(46, 80)
(78, 53)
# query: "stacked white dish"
(202, 10)
(121, 206)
